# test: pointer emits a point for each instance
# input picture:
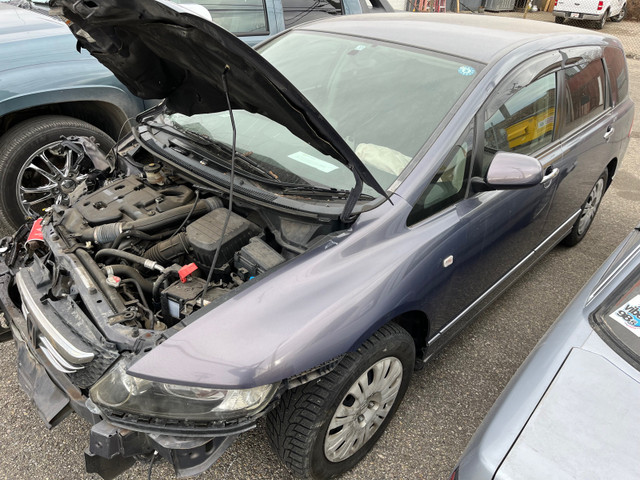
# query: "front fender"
(35, 86)
(321, 305)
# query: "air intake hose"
(165, 251)
(109, 232)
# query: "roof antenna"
(231, 183)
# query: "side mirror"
(513, 170)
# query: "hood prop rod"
(231, 184)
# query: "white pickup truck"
(593, 10)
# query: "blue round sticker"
(466, 70)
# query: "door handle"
(608, 133)
(550, 176)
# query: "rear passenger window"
(300, 11)
(240, 17)
(618, 76)
(585, 93)
(524, 123)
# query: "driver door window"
(524, 123)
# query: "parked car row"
(280, 236)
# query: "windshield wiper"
(245, 158)
(254, 170)
(322, 192)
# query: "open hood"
(159, 52)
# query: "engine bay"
(135, 252)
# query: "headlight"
(124, 393)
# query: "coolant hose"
(160, 280)
(111, 252)
(112, 296)
(137, 234)
(125, 271)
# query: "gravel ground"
(444, 405)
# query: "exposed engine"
(155, 244)
(124, 264)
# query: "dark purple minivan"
(295, 229)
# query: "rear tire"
(621, 15)
(559, 19)
(588, 212)
(600, 23)
(325, 427)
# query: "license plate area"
(575, 15)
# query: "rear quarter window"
(618, 74)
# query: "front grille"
(33, 310)
(83, 358)
(55, 358)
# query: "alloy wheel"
(49, 175)
(591, 207)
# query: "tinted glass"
(300, 11)
(241, 17)
(585, 93)
(450, 183)
(524, 123)
(618, 76)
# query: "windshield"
(385, 100)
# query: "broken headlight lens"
(124, 393)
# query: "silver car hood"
(585, 426)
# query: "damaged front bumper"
(113, 448)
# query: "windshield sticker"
(314, 162)
(466, 70)
(629, 315)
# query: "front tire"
(35, 172)
(324, 428)
(588, 212)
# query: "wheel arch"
(417, 324)
(414, 322)
(107, 108)
(105, 116)
(612, 167)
